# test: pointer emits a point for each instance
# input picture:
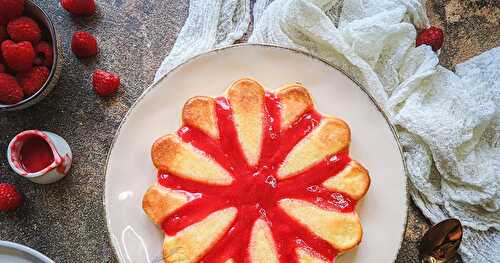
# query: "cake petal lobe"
(159, 202)
(199, 112)
(262, 246)
(171, 155)
(341, 230)
(353, 181)
(246, 97)
(295, 101)
(190, 244)
(330, 137)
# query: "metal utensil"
(441, 242)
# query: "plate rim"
(260, 45)
(26, 250)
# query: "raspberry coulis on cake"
(263, 192)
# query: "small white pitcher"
(53, 172)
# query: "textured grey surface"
(65, 220)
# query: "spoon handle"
(429, 259)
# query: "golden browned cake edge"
(159, 202)
(330, 137)
(354, 181)
(170, 154)
(295, 102)
(199, 112)
(246, 97)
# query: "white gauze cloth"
(448, 123)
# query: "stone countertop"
(65, 220)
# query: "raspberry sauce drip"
(36, 154)
(256, 191)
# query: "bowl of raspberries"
(30, 63)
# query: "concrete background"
(65, 220)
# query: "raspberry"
(10, 9)
(24, 29)
(10, 91)
(105, 83)
(79, 7)
(44, 53)
(31, 81)
(431, 36)
(84, 44)
(18, 56)
(10, 198)
(2, 68)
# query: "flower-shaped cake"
(256, 176)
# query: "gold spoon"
(441, 242)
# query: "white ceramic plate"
(157, 112)
(16, 253)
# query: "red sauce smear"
(36, 154)
(256, 190)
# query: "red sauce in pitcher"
(36, 154)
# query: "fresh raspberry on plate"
(10, 9)
(84, 44)
(31, 81)
(44, 54)
(10, 91)
(432, 36)
(79, 7)
(105, 83)
(18, 56)
(10, 198)
(24, 29)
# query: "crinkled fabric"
(448, 123)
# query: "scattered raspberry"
(24, 29)
(31, 81)
(10, 198)
(105, 83)
(79, 7)
(10, 91)
(431, 36)
(18, 56)
(84, 44)
(10, 9)
(2, 68)
(44, 54)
